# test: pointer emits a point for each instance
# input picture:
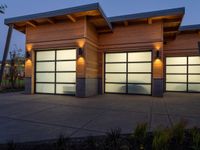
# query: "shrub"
(195, 133)
(161, 139)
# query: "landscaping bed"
(174, 138)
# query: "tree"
(2, 8)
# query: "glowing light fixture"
(158, 55)
(80, 51)
(28, 55)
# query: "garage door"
(55, 72)
(183, 74)
(128, 72)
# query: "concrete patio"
(41, 117)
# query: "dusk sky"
(110, 7)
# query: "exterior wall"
(141, 37)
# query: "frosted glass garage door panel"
(176, 60)
(45, 66)
(116, 78)
(115, 88)
(176, 78)
(116, 57)
(139, 67)
(45, 55)
(66, 77)
(176, 87)
(194, 78)
(121, 67)
(65, 88)
(44, 88)
(139, 89)
(193, 69)
(45, 77)
(139, 56)
(66, 66)
(139, 78)
(194, 60)
(176, 69)
(194, 87)
(66, 54)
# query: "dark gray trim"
(167, 12)
(190, 27)
(82, 8)
(6, 50)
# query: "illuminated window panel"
(194, 69)
(65, 88)
(139, 78)
(45, 77)
(176, 78)
(139, 89)
(176, 60)
(45, 88)
(116, 67)
(139, 67)
(194, 60)
(194, 78)
(194, 87)
(45, 55)
(176, 69)
(66, 54)
(120, 78)
(45, 66)
(115, 88)
(139, 56)
(66, 66)
(66, 77)
(176, 87)
(116, 57)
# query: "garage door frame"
(55, 60)
(127, 93)
(187, 74)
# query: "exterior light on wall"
(28, 55)
(158, 54)
(80, 51)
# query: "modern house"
(80, 51)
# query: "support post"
(6, 50)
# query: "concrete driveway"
(42, 117)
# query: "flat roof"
(166, 12)
(190, 27)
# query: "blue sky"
(110, 7)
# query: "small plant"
(139, 136)
(63, 143)
(113, 139)
(195, 133)
(161, 140)
(11, 145)
(178, 134)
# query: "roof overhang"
(190, 29)
(171, 18)
(91, 11)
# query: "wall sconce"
(80, 51)
(158, 55)
(28, 55)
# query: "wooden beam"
(126, 23)
(71, 18)
(31, 24)
(6, 50)
(149, 20)
(50, 21)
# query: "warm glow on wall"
(81, 61)
(29, 47)
(81, 43)
(158, 68)
(28, 68)
(157, 46)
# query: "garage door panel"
(176, 69)
(45, 66)
(194, 60)
(194, 78)
(139, 56)
(116, 57)
(116, 67)
(65, 88)
(176, 78)
(115, 88)
(139, 67)
(194, 87)
(66, 66)
(139, 89)
(66, 77)
(139, 78)
(45, 77)
(45, 55)
(176, 60)
(176, 87)
(66, 54)
(118, 78)
(194, 69)
(45, 88)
